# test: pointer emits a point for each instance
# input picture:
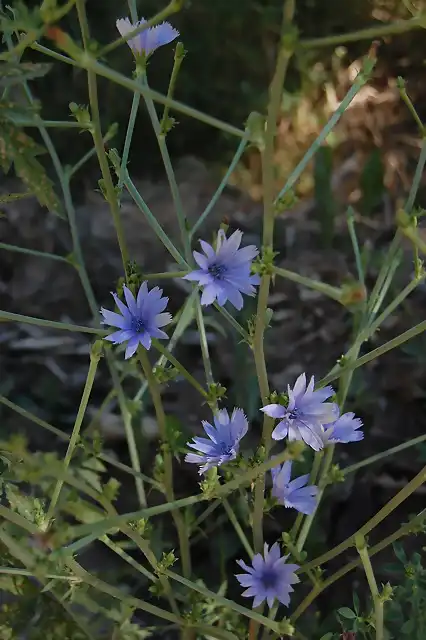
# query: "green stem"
(109, 189)
(65, 438)
(127, 558)
(310, 283)
(64, 180)
(376, 301)
(153, 222)
(383, 513)
(362, 549)
(312, 480)
(50, 124)
(186, 316)
(101, 70)
(7, 316)
(174, 189)
(168, 460)
(130, 436)
(118, 594)
(133, 10)
(393, 537)
(407, 100)
(129, 136)
(268, 179)
(383, 454)
(344, 384)
(177, 61)
(16, 571)
(376, 353)
(369, 331)
(238, 528)
(203, 342)
(370, 33)
(33, 252)
(168, 356)
(238, 328)
(95, 356)
(96, 529)
(71, 171)
(359, 82)
(224, 602)
(27, 559)
(164, 275)
(235, 160)
(355, 244)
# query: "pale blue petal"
(114, 319)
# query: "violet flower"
(224, 273)
(223, 443)
(146, 42)
(345, 429)
(140, 320)
(305, 414)
(268, 578)
(293, 494)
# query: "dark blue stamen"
(269, 578)
(217, 270)
(138, 325)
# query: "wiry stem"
(168, 460)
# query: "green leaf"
(13, 73)
(328, 636)
(325, 202)
(11, 584)
(347, 613)
(18, 148)
(408, 627)
(10, 110)
(372, 182)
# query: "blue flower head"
(224, 273)
(345, 429)
(305, 414)
(148, 41)
(140, 320)
(268, 578)
(224, 440)
(293, 494)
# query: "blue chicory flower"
(293, 494)
(305, 414)
(224, 442)
(345, 429)
(148, 41)
(268, 578)
(224, 273)
(139, 320)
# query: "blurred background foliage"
(231, 48)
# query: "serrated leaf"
(12, 197)
(91, 478)
(13, 73)
(17, 147)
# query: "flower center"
(138, 325)
(217, 271)
(292, 415)
(225, 449)
(269, 578)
